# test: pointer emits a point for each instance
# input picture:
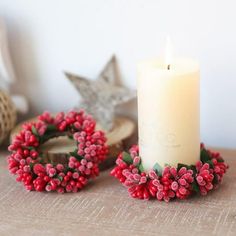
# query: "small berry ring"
(170, 182)
(28, 163)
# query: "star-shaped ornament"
(101, 96)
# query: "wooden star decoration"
(101, 96)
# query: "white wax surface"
(168, 112)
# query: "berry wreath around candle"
(168, 183)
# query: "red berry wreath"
(170, 182)
(27, 161)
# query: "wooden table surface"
(104, 208)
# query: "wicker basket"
(7, 115)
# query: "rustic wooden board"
(104, 208)
(56, 148)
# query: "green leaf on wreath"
(195, 187)
(73, 153)
(215, 180)
(34, 131)
(194, 169)
(220, 160)
(158, 169)
(31, 165)
(180, 165)
(204, 156)
(127, 158)
(140, 167)
(76, 155)
(51, 128)
(60, 177)
(210, 163)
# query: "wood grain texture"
(104, 208)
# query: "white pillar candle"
(168, 112)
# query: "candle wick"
(168, 67)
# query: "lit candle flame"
(168, 53)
